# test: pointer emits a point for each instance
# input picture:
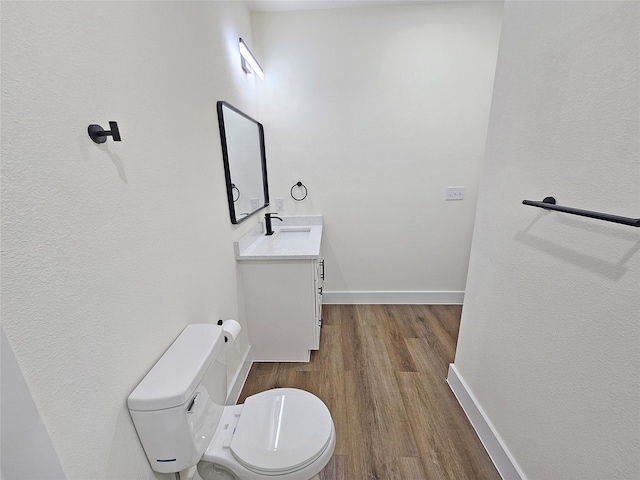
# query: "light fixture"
(248, 60)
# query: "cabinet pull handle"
(320, 290)
(322, 273)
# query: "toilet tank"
(177, 405)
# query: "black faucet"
(267, 222)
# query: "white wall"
(108, 251)
(377, 110)
(23, 431)
(550, 336)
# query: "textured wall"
(377, 110)
(109, 250)
(550, 336)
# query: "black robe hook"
(99, 134)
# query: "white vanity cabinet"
(281, 278)
(283, 302)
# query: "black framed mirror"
(245, 162)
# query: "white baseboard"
(388, 297)
(240, 378)
(502, 459)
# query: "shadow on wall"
(86, 149)
(568, 254)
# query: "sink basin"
(298, 237)
(292, 233)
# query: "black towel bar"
(549, 203)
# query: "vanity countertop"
(295, 238)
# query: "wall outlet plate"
(279, 204)
(455, 193)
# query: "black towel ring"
(233, 187)
(299, 184)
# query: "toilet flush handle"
(193, 402)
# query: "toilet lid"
(281, 430)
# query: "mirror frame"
(227, 169)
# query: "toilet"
(179, 413)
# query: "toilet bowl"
(179, 413)
(284, 433)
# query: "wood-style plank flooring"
(381, 371)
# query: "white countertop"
(295, 238)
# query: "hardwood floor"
(381, 371)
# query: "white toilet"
(178, 411)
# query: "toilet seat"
(280, 431)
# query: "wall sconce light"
(248, 60)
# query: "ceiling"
(289, 5)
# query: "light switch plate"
(455, 193)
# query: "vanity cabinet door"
(283, 304)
